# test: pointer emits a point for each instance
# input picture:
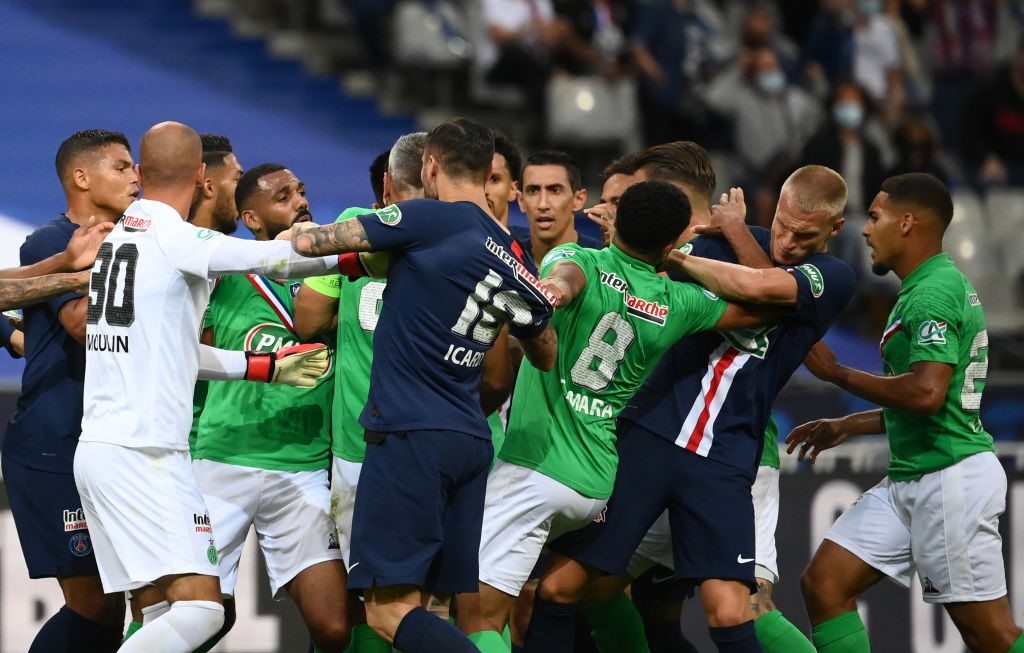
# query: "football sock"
(506, 636)
(842, 634)
(778, 635)
(667, 637)
(422, 632)
(69, 631)
(740, 638)
(1018, 646)
(182, 629)
(366, 640)
(489, 641)
(133, 627)
(155, 611)
(615, 625)
(551, 627)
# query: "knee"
(89, 601)
(728, 614)
(815, 586)
(566, 585)
(331, 636)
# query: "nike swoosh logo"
(740, 559)
(658, 580)
(349, 570)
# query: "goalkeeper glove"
(299, 365)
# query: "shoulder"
(48, 239)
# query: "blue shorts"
(51, 526)
(418, 510)
(711, 511)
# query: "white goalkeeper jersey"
(147, 296)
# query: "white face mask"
(771, 81)
(847, 114)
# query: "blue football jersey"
(712, 393)
(455, 278)
(43, 432)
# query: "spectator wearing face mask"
(917, 150)
(771, 120)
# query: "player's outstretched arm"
(80, 253)
(819, 435)
(338, 238)
(299, 365)
(566, 281)
(737, 282)
(920, 391)
(541, 350)
(16, 293)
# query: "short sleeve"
(568, 252)
(700, 308)
(825, 286)
(404, 225)
(188, 247)
(41, 245)
(931, 320)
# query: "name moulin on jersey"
(106, 342)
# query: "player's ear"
(80, 178)
(513, 192)
(251, 220)
(386, 195)
(579, 200)
(837, 226)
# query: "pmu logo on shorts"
(202, 523)
(814, 276)
(931, 333)
(636, 306)
(132, 223)
(80, 545)
(389, 215)
(74, 520)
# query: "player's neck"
(914, 257)
(179, 199)
(79, 213)
(450, 190)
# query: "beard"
(879, 268)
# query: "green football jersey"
(358, 310)
(937, 318)
(562, 422)
(256, 424)
(770, 453)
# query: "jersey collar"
(630, 260)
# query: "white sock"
(154, 611)
(182, 629)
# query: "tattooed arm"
(338, 238)
(16, 293)
(541, 350)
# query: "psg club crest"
(80, 544)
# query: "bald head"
(170, 155)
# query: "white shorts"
(290, 511)
(146, 516)
(943, 526)
(656, 547)
(344, 481)
(766, 517)
(522, 511)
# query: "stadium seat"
(591, 110)
(480, 90)
(430, 34)
(980, 255)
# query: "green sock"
(133, 628)
(615, 625)
(1018, 646)
(489, 641)
(506, 636)
(778, 635)
(842, 634)
(366, 640)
